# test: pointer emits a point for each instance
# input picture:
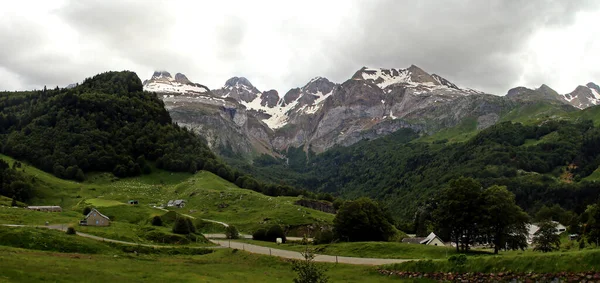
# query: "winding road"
(237, 245)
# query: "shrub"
(87, 210)
(157, 221)
(71, 231)
(308, 271)
(13, 202)
(260, 235)
(458, 262)
(231, 232)
(324, 237)
(275, 232)
(190, 225)
(181, 226)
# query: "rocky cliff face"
(584, 96)
(239, 119)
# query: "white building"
(533, 228)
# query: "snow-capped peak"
(583, 96)
(412, 77)
(163, 82)
(161, 75)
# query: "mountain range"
(240, 120)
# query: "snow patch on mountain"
(386, 77)
(162, 82)
(413, 78)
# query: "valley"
(542, 152)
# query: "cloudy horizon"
(491, 46)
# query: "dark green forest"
(541, 164)
(106, 124)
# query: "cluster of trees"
(355, 221)
(466, 213)
(540, 164)
(363, 220)
(15, 184)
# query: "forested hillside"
(549, 163)
(106, 124)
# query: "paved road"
(249, 237)
(296, 255)
(240, 246)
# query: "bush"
(308, 271)
(71, 231)
(181, 226)
(324, 237)
(157, 221)
(275, 232)
(458, 262)
(87, 210)
(190, 225)
(231, 232)
(260, 235)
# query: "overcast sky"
(487, 45)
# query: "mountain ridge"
(372, 103)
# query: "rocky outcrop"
(238, 88)
(269, 98)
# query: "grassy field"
(9, 215)
(367, 249)
(207, 195)
(460, 133)
(576, 261)
(224, 265)
(98, 202)
(50, 240)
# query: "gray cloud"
(473, 43)
(478, 44)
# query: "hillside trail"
(240, 246)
